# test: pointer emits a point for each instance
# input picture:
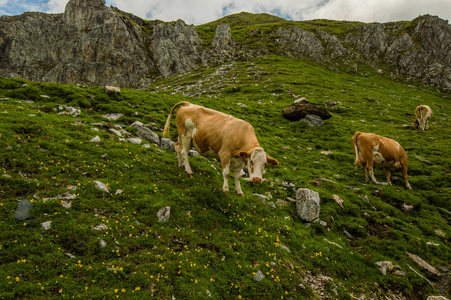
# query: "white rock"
(116, 132)
(96, 139)
(136, 141)
(259, 276)
(100, 227)
(101, 186)
(164, 214)
(385, 266)
(46, 225)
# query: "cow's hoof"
(225, 190)
(191, 175)
(240, 194)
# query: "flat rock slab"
(23, 210)
(298, 111)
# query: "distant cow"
(215, 134)
(374, 150)
(423, 113)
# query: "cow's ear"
(244, 155)
(271, 161)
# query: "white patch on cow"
(190, 126)
(378, 158)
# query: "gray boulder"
(23, 210)
(147, 134)
(308, 204)
(313, 120)
(299, 110)
(167, 144)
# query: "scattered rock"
(436, 298)
(147, 134)
(385, 266)
(46, 225)
(70, 255)
(23, 210)
(284, 247)
(135, 141)
(118, 192)
(69, 110)
(301, 100)
(113, 117)
(259, 276)
(242, 105)
(400, 273)
(167, 144)
(102, 243)
(164, 214)
(111, 90)
(338, 200)
(100, 227)
(326, 152)
(297, 111)
(96, 139)
(440, 233)
(192, 153)
(313, 120)
(101, 186)
(116, 132)
(307, 204)
(424, 265)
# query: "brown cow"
(215, 134)
(374, 150)
(423, 113)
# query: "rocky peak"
(81, 13)
(223, 37)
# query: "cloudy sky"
(203, 11)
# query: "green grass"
(215, 241)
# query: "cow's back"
(215, 130)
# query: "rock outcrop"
(97, 45)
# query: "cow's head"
(256, 160)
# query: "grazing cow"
(374, 150)
(215, 134)
(423, 113)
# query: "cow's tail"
(356, 149)
(168, 121)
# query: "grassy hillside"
(215, 243)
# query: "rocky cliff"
(96, 45)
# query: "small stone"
(259, 276)
(116, 132)
(385, 266)
(100, 227)
(135, 141)
(164, 214)
(46, 225)
(102, 243)
(101, 186)
(407, 208)
(112, 117)
(95, 139)
(70, 255)
(118, 192)
(338, 200)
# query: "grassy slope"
(216, 241)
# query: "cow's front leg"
(226, 174)
(237, 182)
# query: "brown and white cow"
(372, 150)
(423, 113)
(215, 134)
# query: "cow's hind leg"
(178, 149)
(388, 175)
(404, 174)
(185, 145)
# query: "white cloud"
(204, 11)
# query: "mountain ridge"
(95, 45)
